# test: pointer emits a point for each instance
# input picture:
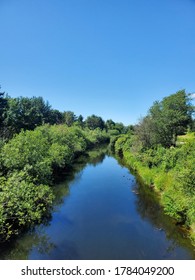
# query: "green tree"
(110, 124)
(26, 113)
(55, 117)
(175, 115)
(120, 127)
(3, 107)
(92, 122)
(144, 132)
(79, 121)
(166, 120)
(69, 118)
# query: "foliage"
(92, 122)
(69, 118)
(37, 141)
(166, 120)
(27, 165)
(3, 106)
(22, 203)
(162, 152)
(26, 113)
(170, 171)
(120, 143)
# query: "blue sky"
(112, 58)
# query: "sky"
(111, 58)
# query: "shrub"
(22, 204)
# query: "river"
(102, 212)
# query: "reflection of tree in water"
(94, 157)
(98, 159)
(148, 206)
(21, 247)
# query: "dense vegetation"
(28, 165)
(36, 142)
(28, 113)
(162, 151)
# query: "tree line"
(28, 113)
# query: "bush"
(22, 204)
(27, 164)
(171, 173)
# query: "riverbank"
(102, 212)
(28, 165)
(170, 173)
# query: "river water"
(102, 212)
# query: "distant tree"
(173, 116)
(69, 118)
(55, 117)
(25, 113)
(130, 129)
(120, 127)
(3, 105)
(144, 132)
(93, 122)
(110, 124)
(166, 120)
(80, 121)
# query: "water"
(101, 212)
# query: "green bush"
(119, 144)
(22, 204)
(27, 163)
(171, 173)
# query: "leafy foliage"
(170, 171)
(22, 203)
(27, 165)
(164, 160)
(166, 120)
(93, 122)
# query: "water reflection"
(149, 209)
(22, 247)
(38, 238)
(101, 212)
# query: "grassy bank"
(169, 171)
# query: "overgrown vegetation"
(28, 164)
(36, 143)
(164, 160)
(23, 113)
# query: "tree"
(69, 118)
(110, 124)
(25, 113)
(176, 115)
(120, 127)
(55, 117)
(93, 122)
(79, 121)
(144, 132)
(166, 120)
(3, 106)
